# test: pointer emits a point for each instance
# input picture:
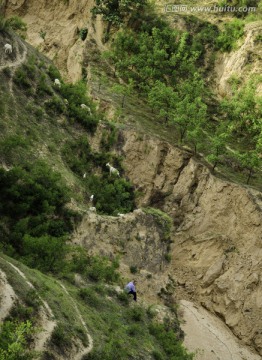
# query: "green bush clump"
(45, 253)
(233, 31)
(32, 208)
(15, 340)
(101, 269)
(53, 73)
(16, 23)
(55, 106)
(83, 33)
(42, 86)
(21, 78)
(76, 95)
(95, 268)
(162, 219)
(13, 147)
(60, 337)
(90, 297)
(112, 195)
(167, 338)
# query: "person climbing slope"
(131, 288)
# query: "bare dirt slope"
(213, 340)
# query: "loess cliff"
(216, 234)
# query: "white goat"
(84, 176)
(84, 106)
(8, 48)
(91, 198)
(120, 215)
(57, 83)
(112, 170)
(92, 208)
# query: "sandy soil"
(209, 337)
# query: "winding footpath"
(89, 348)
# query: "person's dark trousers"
(133, 293)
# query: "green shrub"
(55, 106)
(60, 337)
(16, 23)
(13, 146)
(100, 269)
(45, 253)
(53, 73)
(168, 340)
(168, 257)
(76, 95)
(123, 297)
(21, 78)
(90, 297)
(32, 201)
(232, 32)
(14, 340)
(42, 86)
(83, 33)
(112, 195)
(136, 313)
(133, 269)
(135, 330)
(162, 219)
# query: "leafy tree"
(232, 32)
(124, 89)
(13, 340)
(32, 201)
(163, 98)
(112, 196)
(45, 253)
(217, 146)
(244, 111)
(114, 11)
(250, 161)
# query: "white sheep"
(8, 48)
(57, 83)
(92, 208)
(84, 106)
(112, 170)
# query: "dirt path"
(20, 50)
(89, 348)
(209, 337)
(47, 322)
(7, 296)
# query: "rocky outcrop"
(54, 29)
(136, 237)
(237, 63)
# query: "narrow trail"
(7, 296)
(46, 315)
(20, 50)
(209, 337)
(89, 348)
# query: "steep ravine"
(217, 236)
(217, 249)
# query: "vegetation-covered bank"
(168, 69)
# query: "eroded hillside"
(214, 258)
